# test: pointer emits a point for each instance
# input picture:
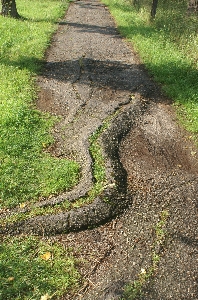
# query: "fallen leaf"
(143, 271)
(10, 278)
(193, 153)
(46, 256)
(45, 297)
(22, 205)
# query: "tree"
(154, 8)
(9, 9)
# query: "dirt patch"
(151, 165)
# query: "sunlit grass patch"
(27, 172)
(168, 46)
(31, 268)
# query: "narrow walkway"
(95, 74)
(90, 74)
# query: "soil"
(90, 73)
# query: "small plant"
(132, 291)
(159, 228)
(98, 160)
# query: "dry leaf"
(22, 205)
(45, 297)
(10, 278)
(46, 256)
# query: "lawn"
(35, 268)
(30, 267)
(168, 46)
(27, 172)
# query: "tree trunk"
(154, 8)
(193, 5)
(9, 8)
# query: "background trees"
(191, 5)
(154, 8)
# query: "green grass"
(27, 172)
(168, 46)
(31, 268)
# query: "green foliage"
(27, 172)
(31, 268)
(167, 46)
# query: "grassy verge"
(31, 268)
(168, 48)
(26, 171)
